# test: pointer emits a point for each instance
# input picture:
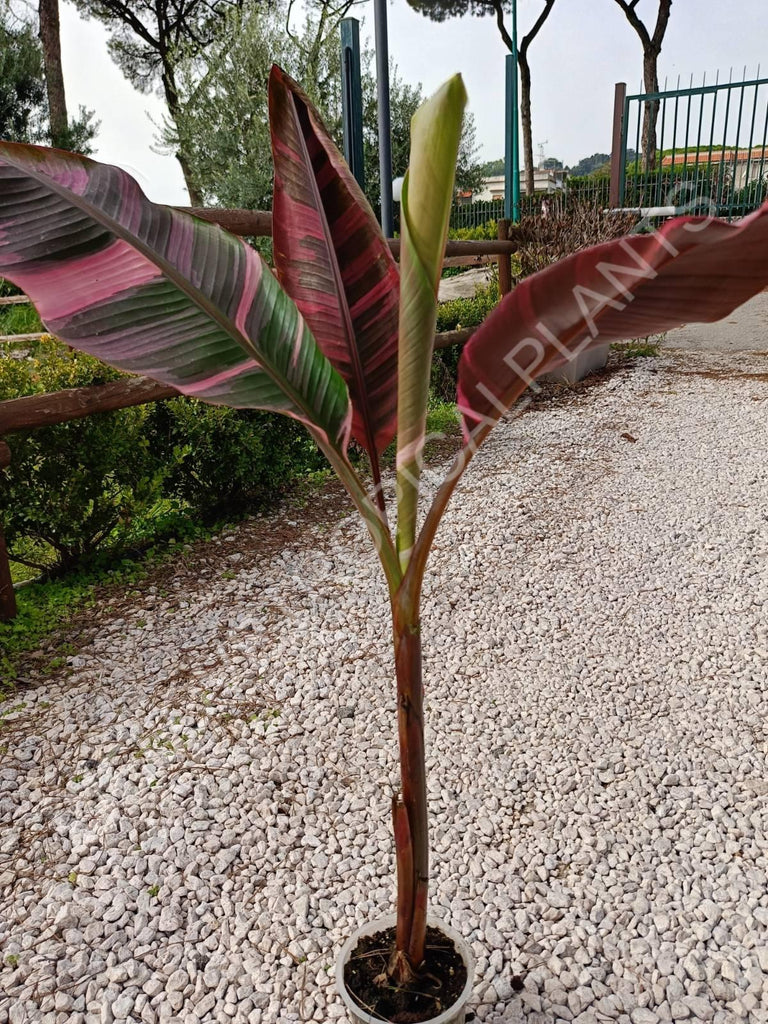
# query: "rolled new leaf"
(157, 292)
(333, 260)
(424, 215)
(693, 269)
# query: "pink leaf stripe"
(331, 257)
(693, 270)
(157, 292)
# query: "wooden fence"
(58, 407)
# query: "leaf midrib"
(181, 282)
(340, 290)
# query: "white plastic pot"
(455, 1014)
(578, 368)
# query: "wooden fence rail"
(24, 337)
(74, 403)
(258, 223)
(61, 406)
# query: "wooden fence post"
(7, 595)
(505, 260)
(617, 145)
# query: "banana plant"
(341, 341)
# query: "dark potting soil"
(435, 989)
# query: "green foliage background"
(223, 121)
(23, 99)
(115, 481)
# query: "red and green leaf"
(693, 270)
(157, 292)
(332, 258)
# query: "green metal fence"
(589, 189)
(475, 215)
(709, 151)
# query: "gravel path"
(194, 818)
(744, 330)
(464, 286)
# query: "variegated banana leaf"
(157, 292)
(332, 258)
(692, 270)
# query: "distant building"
(549, 180)
(741, 166)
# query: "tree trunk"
(525, 119)
(195, 195)
(48, 11)
(651, 111)
(410, 807)
(174, 109)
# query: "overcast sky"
(584, 48)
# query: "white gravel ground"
(596, 642)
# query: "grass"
(45, 606)
(640, 348)
(19, 319)
(442, 417)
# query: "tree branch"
(629, 9)
(528, 39)
(665, 9)
(498, 7)
(122, 12)
(288, 23)
(29, 564)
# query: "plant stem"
(414, 576)
(373, 518)
(404, 855)
(412, 892)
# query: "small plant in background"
(348, 355)
(640, 348)
(546, 240)
(488, 230)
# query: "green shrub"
(482, 232)
(221, 460)
(750, 196)
(460, 313)
(131, 477)
(456, 315)
(6, 288)
(72, 486)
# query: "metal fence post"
(385, 139)
(618, 143)
(7, 595)
(511, 143)
(352, 99)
